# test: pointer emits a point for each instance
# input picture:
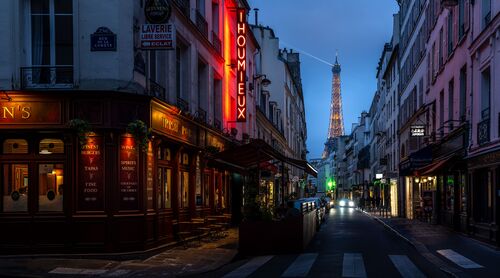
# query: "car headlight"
(331, 203)
(351, 203)
(342, 203)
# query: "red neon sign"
(241, 46)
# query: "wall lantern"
(449, 3)
(265, 82)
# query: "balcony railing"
(156, 90)
(483, 132)
(485, 113)
(182, 104)
(217, 124)
(183, 5)
(201, 24)
(201, 115)
(216, 42)
(43, 77)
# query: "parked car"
(346, 203)
(328, 203)
(320, 208)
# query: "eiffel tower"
(336, 125)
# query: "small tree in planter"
(82, 128)
(141, 133)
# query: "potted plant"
(82, 128)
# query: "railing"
(156, 90)
(483, 132)
(216, 42)
(183, 5)
(42, 77)
(201, 115)
(201, 23)
(485, 113)
(182, 104)
(487, 19)
(217, 124)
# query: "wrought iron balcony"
(216, 42)
(182, 104)
(217, 124)
(201, 24)
(156, 90)
(483, 132)
(47, 77)
(201, 115)
(183, 5)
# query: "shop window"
(50, 187)
(164, 153)
(50, 146)
(164, 187)
(198, 195)
(185, 159)
(184, 180)
(15, 146)
(15, 180)
(450, 193)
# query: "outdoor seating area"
(209, 228)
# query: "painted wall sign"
(91, 181)
(417, 130)
(157, 36)
(30, 112)
(103, 40)
(169, 124)
(157, 11)
(129, 178)
(241, 47)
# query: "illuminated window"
(184, 186)
(50, 146)
(15, 182)
(17, 146)
(50, 187)
(164, 153)
(164, 187)
(206, 190)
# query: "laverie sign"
(241, 47)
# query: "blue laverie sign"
(103, 40)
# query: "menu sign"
(91, 186)
(128, 174)
(149, 176)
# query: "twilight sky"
(357, 28)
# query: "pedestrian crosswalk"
(458, 259)
(352, 266)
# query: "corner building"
(76, 175)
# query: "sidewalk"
(198, 258)
(428, 239)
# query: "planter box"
(274, 237)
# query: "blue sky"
(357, 28)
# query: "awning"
(434, 167)
(257, 151)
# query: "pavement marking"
(248, 268)
(353, 265)
(301, 266)
(458, 259)
(81, 271)
(406, 267)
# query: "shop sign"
(241, 46)
(417, 130)
(149, 176)
(157, 11)
(169, 124)
(129, 179)
(103, 40)
(30, 112)
(157, 36)
(485, 160)
(91, 185)
(215, 141)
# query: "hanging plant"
(82, 128)
(141, 133)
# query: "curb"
(413, 243)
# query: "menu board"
(128, 178)
(149, 176)
(91, 180)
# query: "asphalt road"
(349, 244)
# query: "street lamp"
(449, 3)
(265, 82)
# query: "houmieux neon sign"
(241, 44)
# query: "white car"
(346, 203)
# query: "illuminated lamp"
(424, 180)
(449, 3)
(45, 152)
(417, 179)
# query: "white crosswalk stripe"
(353, 265)
(248, 268)
(406, 267)
(458, 259)
(301, 266)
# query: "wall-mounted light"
(265, 82)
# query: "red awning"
(433, 167)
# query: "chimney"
(256, 10)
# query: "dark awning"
(257, 151)
(434, 167)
